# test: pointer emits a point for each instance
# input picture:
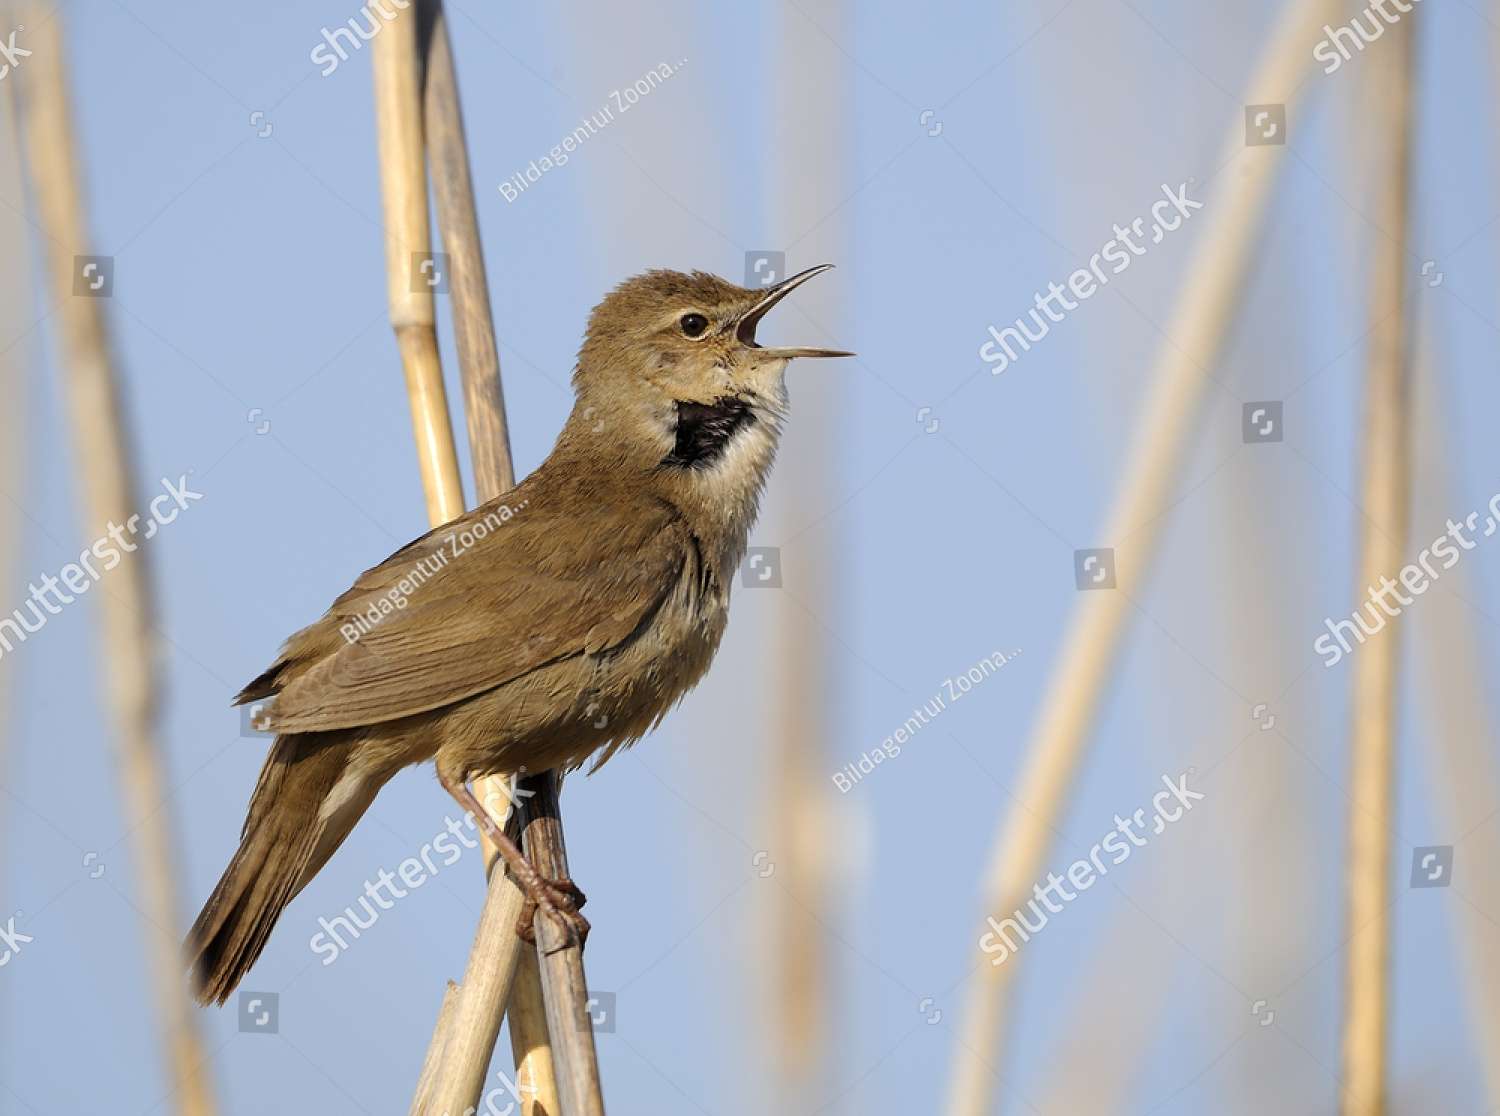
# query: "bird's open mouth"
(745, 330)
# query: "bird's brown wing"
(533, 590)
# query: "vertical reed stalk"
(1459, 711)
(16, 299)
(458, 219)
(496, 946)
(560, 960)
(1197, 329)
(107, 471)
(404, 191)
(465, 1037)
(809, 137)
(397, 70)
(1386, 504)
(530, 1045)
(472, 1026)
(403, 181)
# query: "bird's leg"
(558, 898)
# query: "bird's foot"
(559, 899)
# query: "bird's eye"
(693, 325)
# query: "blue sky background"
(250, 277)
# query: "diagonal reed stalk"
(1196, 333)
(110, 489)
(463, 1043)
(1119, 1018)
(1386, 505)
(432, 1062)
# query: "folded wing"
(468, 610)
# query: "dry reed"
(1197, 330)
(530, 1045)
(465, 1036)
(466, 1039)
(15, 298)
(107, 471)
(1458, 710)
(560, 960)
(432, 1061)
(808, 93)
(396, 66)
(1385, 503)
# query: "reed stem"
(1386, 504)
(468, 1037)
(111, 495)
(1197, 330)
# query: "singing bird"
(557, 623)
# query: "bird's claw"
(559, 899)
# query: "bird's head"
(667, 353)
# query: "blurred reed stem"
(107, 472)
(16, 299)
(1384, 528)
(809, 135)
(1459, 712)
(1125, 989)
(1200, 323)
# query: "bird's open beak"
(745, 329)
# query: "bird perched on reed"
(555, 624)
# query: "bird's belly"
(562, 714)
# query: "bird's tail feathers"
(305, 803)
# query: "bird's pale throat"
(704, 430)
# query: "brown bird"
(558, 622)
